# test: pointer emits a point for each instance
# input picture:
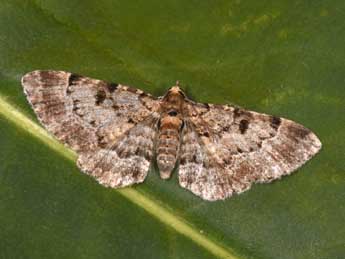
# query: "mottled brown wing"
(89, 115)
(244, 147)
(127, 161)
(198, 170)
(82, 112)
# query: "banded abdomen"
(168, 144)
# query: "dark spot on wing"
(183, 160)
(69, 90)
(100, 96)
(49, 78)
(243, 126)
(132, 90)
(147, 154)
(101, 142)
(227, 160)
(137, 151)
(112, 87)
(238, 112)
(135, 172)
(73, 78)
(298, 131)
(71, 81)
(130, 120)
(275, 122)
(206, 105)
(143, 94)
(48, 75)
(121, 152)
(206, 134)
(75, 105)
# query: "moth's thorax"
(170, 126)
(173, 100)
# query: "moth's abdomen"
(168, 145)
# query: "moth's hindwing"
(125, 162)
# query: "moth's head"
(176, 91)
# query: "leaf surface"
(279, 57)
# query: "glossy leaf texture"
(282, 57)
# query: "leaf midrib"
(139, 198)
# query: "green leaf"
(279, 57)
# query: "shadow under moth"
(118, 131)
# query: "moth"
(119, 131)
